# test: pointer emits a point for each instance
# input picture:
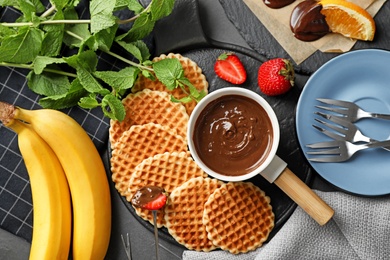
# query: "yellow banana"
(86, 177)
(52, 212)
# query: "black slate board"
(284, 107)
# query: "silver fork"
(127, 246)
(349, 110)
(345, 130)
(339, 151)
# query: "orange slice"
(348, 19)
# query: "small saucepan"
(233, 135)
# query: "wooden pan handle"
(301, 194)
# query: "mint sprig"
(37, 40)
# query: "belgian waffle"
(137, 144)
(238, 217)
(150, 107)
(191, 71)
(184, 212)
(168, 171)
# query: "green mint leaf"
(52, 41)
(22, 47)
(73, 3)
(181, 100)
(29, 8)
(5, 32)
(120, 4)
(88, 102)
(47, 84)
(39, 7)
(132, 5)
(161, 8)
(148, 63)
(141, 28)
(105, 38)
(194, 94)
(171, 74)
(119, 80)
(66, 100)
(168, 71)
(85, 64)
(81, 30)
(201, 94)
(113, 107)
(183, 81)
(90, 83)
(13, 3)
(135, 6)
(138, 49)
(60, 4)
(86, 60)
(101, 15)
(90, 42)
(36, 21)
(41, 62)
(148, 74)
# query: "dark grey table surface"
(223, 23)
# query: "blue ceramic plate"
(363, 77)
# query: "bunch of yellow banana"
(66, 173)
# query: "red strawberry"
(276, 76)
(150, 198)
(229, 67)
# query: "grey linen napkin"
(360, 229)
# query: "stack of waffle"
(149, 147)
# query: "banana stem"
(7, 113)
(16, 125)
